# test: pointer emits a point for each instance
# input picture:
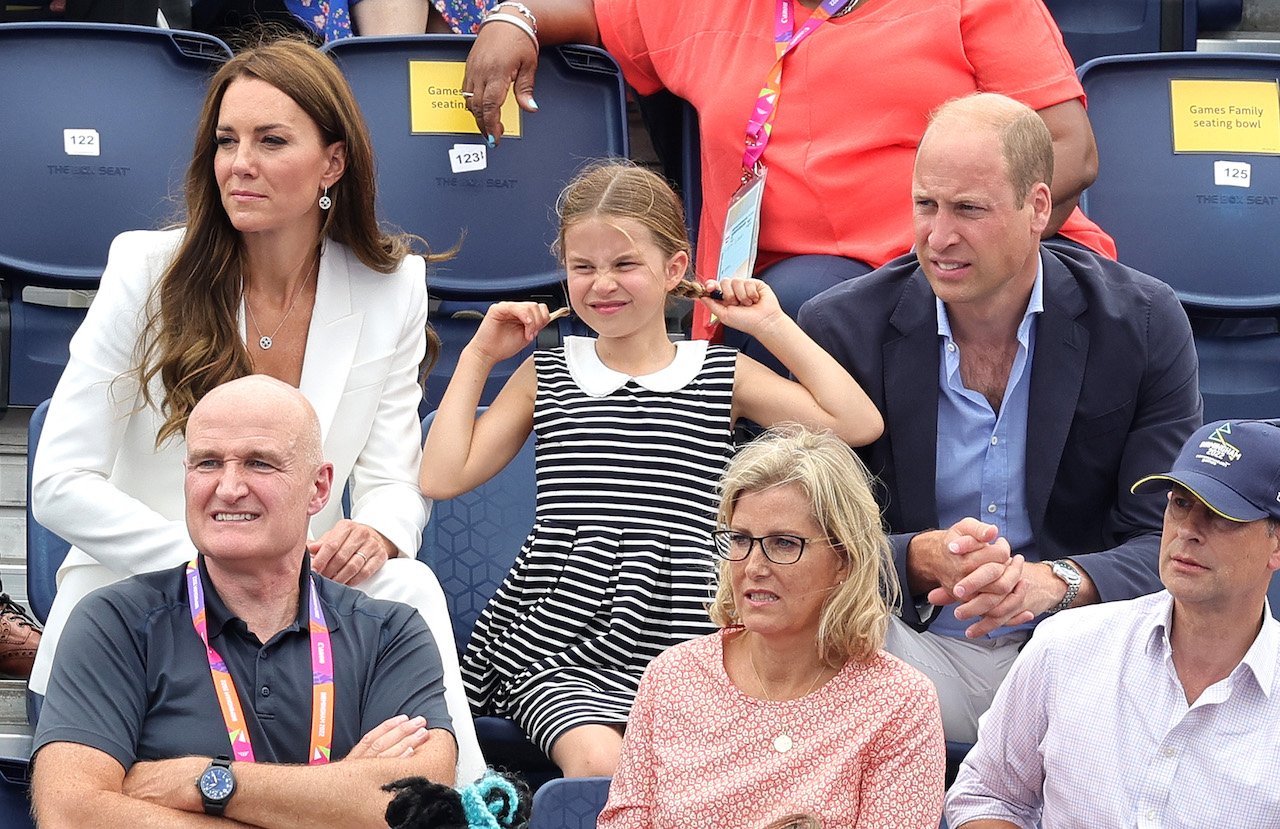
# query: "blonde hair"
(192, 339)
(618, 189)
(855, 616)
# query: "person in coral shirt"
(853, 101)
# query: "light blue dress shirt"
(982, 455)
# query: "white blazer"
(100, 482)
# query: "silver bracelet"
(518, 22)
(520, 7)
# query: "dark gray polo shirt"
(131, 677)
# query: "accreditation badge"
(742, 228)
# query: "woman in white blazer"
(280, 269)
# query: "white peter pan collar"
(598, 380)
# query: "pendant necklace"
(783, 742)
(267, 340)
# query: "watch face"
(217, 783)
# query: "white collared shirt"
(1092, 727)
(598, 380)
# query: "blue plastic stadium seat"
(1093, 28)
(503, 215)
(1215, 244)
(97, 129)
(15, 803)
(470, 542)
(1273, 595)
(502, 218)
(1239, 375)
(570, 803)
(45, 551)
(691, 172)
(1219, 15)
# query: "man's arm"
(275, 796)
(1167, 412)
(74, 786)
(1036, 590)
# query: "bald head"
(254, 473)
(260, 396)
(1025, 142)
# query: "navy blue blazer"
(1114, 395)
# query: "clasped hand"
(170, 782)
(973, 567)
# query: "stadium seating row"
(83, 172)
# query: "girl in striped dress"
(632, 434)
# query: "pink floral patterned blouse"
(868, 749)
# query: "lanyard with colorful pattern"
(225, 687)
(785, 39)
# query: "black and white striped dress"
(619, 564)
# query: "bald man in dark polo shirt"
(216, 694)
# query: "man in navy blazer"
(1023, 387)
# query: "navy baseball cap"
(1233, 466)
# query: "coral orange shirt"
(856, 97)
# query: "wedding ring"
(363, 557)
(468, 94)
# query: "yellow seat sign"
(1218, 116)
(436, 104)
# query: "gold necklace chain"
(783, 742)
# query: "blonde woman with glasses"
(793, 706)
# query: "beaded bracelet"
(518, 22)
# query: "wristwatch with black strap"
(216, 785)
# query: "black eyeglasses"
(732, 545)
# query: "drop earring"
(325, 201)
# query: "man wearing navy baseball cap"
(1163, 710)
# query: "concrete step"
(13, 502)
(15, 734)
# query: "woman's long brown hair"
(191, 340)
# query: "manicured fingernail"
(533, 105)
(954, 546)
(958, 591)
(488, 139)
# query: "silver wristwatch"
(1066, 571)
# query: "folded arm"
(388, 511)
(74, 785)
(1168, 410)
(276, 796)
